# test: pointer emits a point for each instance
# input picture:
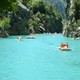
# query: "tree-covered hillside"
(29, 16)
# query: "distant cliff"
(60, 5)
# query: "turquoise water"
(39, 58)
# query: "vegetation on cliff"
(72, 25)
(42, 17)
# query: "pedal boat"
(65, 49)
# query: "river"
(39, 58)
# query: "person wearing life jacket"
(64, 45)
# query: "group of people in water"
(63, 46)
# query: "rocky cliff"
(19, 20)
(34, 16)
(72, 24)
(27, 21)
(60, 5)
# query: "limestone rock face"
(19, 20)
(73, 18)
(60, 5)
(76, 34)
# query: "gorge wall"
(72, 24)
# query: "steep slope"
(72, 25)
(60, 5)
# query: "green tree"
(5, 23)
(7, 5)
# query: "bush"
(5, 23)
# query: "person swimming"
(20, 38)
